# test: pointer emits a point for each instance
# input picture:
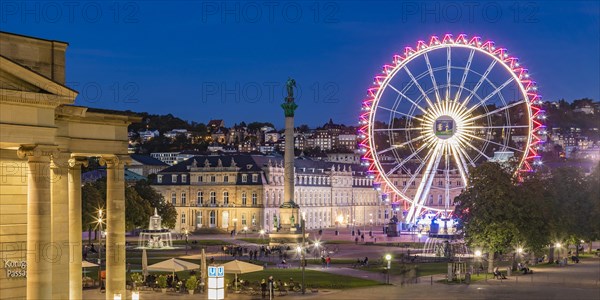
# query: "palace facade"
(231, 192)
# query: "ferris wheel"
(440, 108)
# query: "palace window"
(244, 200)
(212, 218)
(404, 183)
(182, 218)
(159, 178)
(200, 178)
(440, 183)
(458, 183)
(243, 219)
(174, 198)
(200, 198)
(225, 178)
(254, 199)
(254, 177)
(213, 198)
(226, 197)
(430, 199)
(244, 177)
(199, 219)
(213, 178)
(184, 178)
(253, 219)
(183, 198)
(439, 199)
(173, 178)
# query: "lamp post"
(186, 241)
(100, 222)
(302, 222)
(477, 257)
(234, 227)
(558, 245)
(245, 231)
(388, 258)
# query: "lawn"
(314, 279)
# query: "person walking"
(323, 262)
(328, 261)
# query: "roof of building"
(147, 160)
(95, 175)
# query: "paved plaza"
(574, 281)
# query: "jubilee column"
(289, 106)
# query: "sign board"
(216, 282)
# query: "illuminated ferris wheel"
(444, 106)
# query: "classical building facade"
(231, 192)
(44, 140)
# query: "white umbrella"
(87, 264)
(173, 265)
(240, 267)
(144, 264)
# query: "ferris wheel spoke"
(479, 83)
(400, 113)
(406, 159)
(492, 94)
(437, 93)
(495, 111)
(425, 183)
(460, 163)
(476, 149)
(398, 129)
(407, 98)
(495, 143)
(401, 145)
(465, 74)
(420, 89)
(448, 70)
(417, 171)
(495, 127)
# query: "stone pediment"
(22, 85)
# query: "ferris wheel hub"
(444, 127)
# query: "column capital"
(78, 161)
(28, 151)
(114, 160)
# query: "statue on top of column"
(290, 85)
(289, 106)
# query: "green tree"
(487, 208)
(156, 200)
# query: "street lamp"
(99, 224)
(388, 258)
(477, 258)
(558, 245)
(186, 241)
(245, 231)
(234, 227)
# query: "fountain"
(444, 240)
(155, 237)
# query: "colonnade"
(54, 228)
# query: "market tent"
(239, 267)
(173, 265)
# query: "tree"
(487, 207)
(156, 200)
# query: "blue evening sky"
(203, 60)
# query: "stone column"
(288, 158)
(115, 225)
(60, 221)
(39, 260)
(75, 226)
